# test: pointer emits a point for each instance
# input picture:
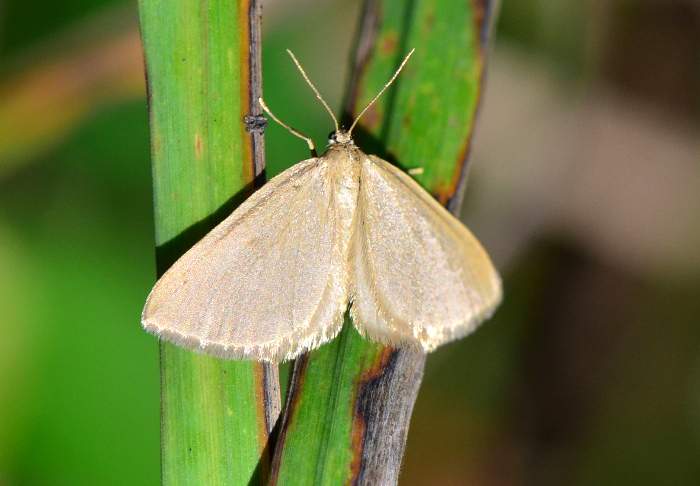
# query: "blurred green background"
(584, 187)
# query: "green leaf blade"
(216, 415)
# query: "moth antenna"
(318, 95)
(382, 90)
(295, 132)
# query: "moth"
(343, 230)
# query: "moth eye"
(332, 137)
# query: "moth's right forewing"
(268, 283)
(421, 276)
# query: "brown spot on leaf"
(371, 118)
(198, 145)
(158, 141)
(482, 10)
(429, 21)
(358, 437)
(389, 43)
(443, 190)
(479, 7)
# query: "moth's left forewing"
(270, 281)
(420, 275)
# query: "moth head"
(341, 137)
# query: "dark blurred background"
(584, 187)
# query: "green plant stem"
(202, 60)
